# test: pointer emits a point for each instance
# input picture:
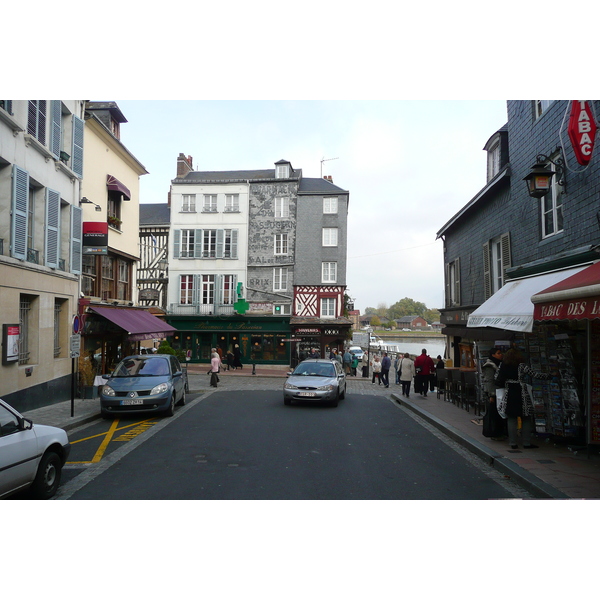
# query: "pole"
(72, 387)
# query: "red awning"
(577, 297)
(114, 184)
(139, 324)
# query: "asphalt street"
(248, 445)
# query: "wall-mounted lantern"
(539, 179)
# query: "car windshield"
(140, 366)
(315, 370)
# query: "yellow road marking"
(105, 441)
(104, 433)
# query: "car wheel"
(47, 478)
(182, 401)
(343, 394)
(171, 410)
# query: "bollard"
(253, 369)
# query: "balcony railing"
(200, 309)
(33, 256)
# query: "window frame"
(209, 203)
(328, 312)
(280, 279)
(551, 204)
(327, 235)
(282, 207)
(232, 203)
(280, 245)
(188, 203)
(329, 268)
(328, 208)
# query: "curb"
(527, 480)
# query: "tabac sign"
(582, 130)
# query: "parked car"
(317, 380)
(356, 351)
(31, 456)
(152, 383)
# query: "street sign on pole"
(75, 345)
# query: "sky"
(408, 165)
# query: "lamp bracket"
(559, 165)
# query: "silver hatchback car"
(316, 379)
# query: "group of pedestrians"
(233, 362)
(347, 360)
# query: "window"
(282, 171)
(329, 272)
(123, 283)
(280, 276)
(493, 160)
(88, 279)
(187, 243)
(328, 307)
(108, 277)
(209, 243)
(330, 236)
(188, 203)
(330, 205)
(551, 210)
(229, 244)
(228, 294)
(114, 209)
(36, 120)
(207, 290)
(282, 207)
(453, 283)
(24, 322)
(186, 289)
(496, 259)
(232, 203)
(210, 203)
(541, 106)
(281, 243)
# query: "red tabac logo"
(582, 130)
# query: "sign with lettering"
(581, 308)
(582, 130)
(95, 237)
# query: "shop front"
(260, 340)
(322, 335)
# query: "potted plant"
(114, 221)
(87, 374)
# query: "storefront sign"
(582, 130)
(95, 237)
(149, 294)
(308, 331)
(10, 343)
(582, 308)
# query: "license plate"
(307, 394)
(131, 401)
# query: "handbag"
(501, 402)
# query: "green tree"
(407, 306)
(375, 321)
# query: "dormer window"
(493, 156)
(282, 170)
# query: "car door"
(177, 374)
(18, 453)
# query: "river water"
(433, 346)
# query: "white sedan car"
(31, 456)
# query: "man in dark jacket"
(386, 363)
(424, 367)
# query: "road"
(245, 444)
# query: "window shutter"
(456, 282)
(20, 216)
(487, 275)
(76, 240)
(52, 249)
(234, 243)
(448, 297)
(198, 243)
(506, 258)
(197, 282)
(77, 153)
(55, 131)
(176, 242)
(220, 242)
(218, 290)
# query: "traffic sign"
(75, 345)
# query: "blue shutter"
(220, 242)
(77, 153)
(76, 240)
(20, 213)
(196, 290)
(55, 129)
(218, 290)
(52, 245)
(176, 242)
(198, 243)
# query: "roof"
(233, 176)
(155, 214)
(316, 185)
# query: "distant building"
(413, 322)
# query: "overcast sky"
(408, 165)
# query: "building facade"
(41, 170)
(506, 247)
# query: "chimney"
(184, 165)
(328, 178)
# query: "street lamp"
(84, 200)
(539, 178)
(369, 331)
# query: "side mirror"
(27, 424)
(288, 373)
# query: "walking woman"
(406, 369)
(237, 357)
(215, 364)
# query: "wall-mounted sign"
(582, 130)
(260, 308)
(149, 294)
(95, 237)
(10, 343)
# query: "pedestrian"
(386, 363)
(230, 359)
(396, 367)
(376, 366)
(511, 376)
(237, 357)
(332, 354)
(354, 365)
(215, 365)
(424, 368)
(440, 364)
(314, 353)
(494, 426)
(407, 372)
(347, 361)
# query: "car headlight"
(325, 388)
(289, 386)
(108, 391)
(161, 388)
